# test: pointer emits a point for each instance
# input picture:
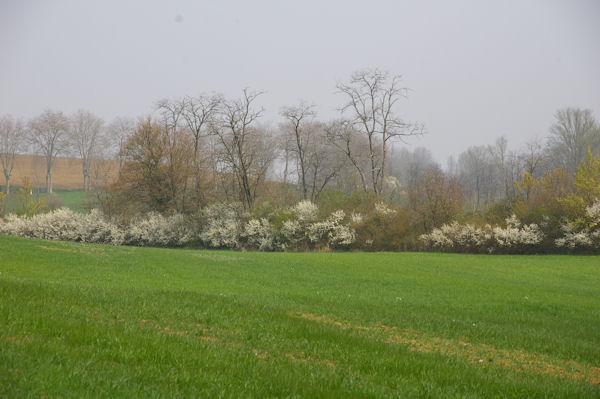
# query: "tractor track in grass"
(482, 354)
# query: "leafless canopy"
(244, 152)
(48, 133)
(371, 102)
(85, 135)
(11, 141)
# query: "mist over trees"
(195, 151)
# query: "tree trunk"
(49, 182)
(7, 188)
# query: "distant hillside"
(66, 172)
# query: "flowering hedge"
(64, 224)
(456, 237)
(584, 234)
(219, 226)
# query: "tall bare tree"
(86, 137)
(323, 163)
(119, 130)
(571, 134)
(299, 120)
(48, 133)
(244, 150)
(198, 113)
(533, 157)
(372, 98)
(12, 138)
(344, 137)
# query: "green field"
(76, 200)
(81, 320)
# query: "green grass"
(76, 200)
(81, 320)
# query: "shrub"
(582, 234)
(304, 230)
(384, 229)
(222, 225)
(330, 231)
(258, 234)
(64, 224)
(456, 237)
(155, 229)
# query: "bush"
(259, 234)
(380, 228)
(64, 224)
(514, 238)
(303, 230)
(223, 225)
(582, 234)
(157, 230)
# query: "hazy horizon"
(476, 70)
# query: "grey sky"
(478, 69)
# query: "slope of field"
(81, 320)
(66, 172)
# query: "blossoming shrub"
(584, 235)
(223, 225)
(259, 234)
(456, 237)
(303, 230)
(64, 224)
(331, 231)
(157, 230)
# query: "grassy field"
(76, 200)
(82, 320)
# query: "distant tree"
(12, 139)
(119, 131)
(436, 198)
(298, 121)
(244, 149)
(571, 134)
(322, 163)
(476, 174)
(533, 157)
(155, 170)
(198, 114)
(48, 134)
(317, 163)
(343, 136)
(86, 136)
(371, 101)
(408, 165)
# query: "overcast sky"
(477, 69)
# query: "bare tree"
(48, 133)
(244, 150)
(408, 165)
(372, 98)
(435, 197)
(533, 157)
(323, 163)
(86, 136)
(12, 134)
(298, 120)
(573, 132)
(476, 175)
(119, 130)
(344, 137)
(198, 113)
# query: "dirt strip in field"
(482, 354)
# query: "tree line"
(198, 150)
